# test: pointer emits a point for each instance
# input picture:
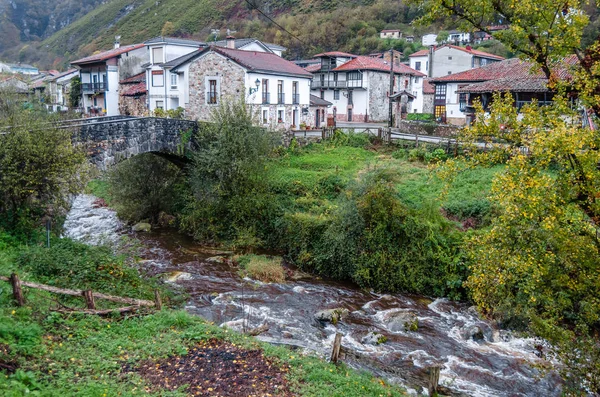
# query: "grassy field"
(46, 353)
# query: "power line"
(275, 23)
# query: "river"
(475, 358)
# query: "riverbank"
(72, 354)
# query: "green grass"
(79, 355)
(99, 188)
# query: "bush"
(143, 186)
(420, 117)
(262, 268)
(350, 138)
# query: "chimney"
(117, 41)
(231, 42)
(431, 52)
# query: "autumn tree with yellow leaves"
(537, 267)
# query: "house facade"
(277, 90)
(100, 75)
(133, 96)
(250, 44)
(450, 59)
(390, 34)
(358, 87)
(429, 39)
(59, 88)
(455, 94)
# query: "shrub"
(143, 186)
(262, 268)
(435, 156)
(420, 117)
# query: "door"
(317, 118)
(349, 114)
(295, 118)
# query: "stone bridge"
(109, 140)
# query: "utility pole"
(391, 87)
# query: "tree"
(167, 29)
(75, 92)
(39, 165)
(442, 37)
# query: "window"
(336, 95)
(280, 115)
(211, 95)
(295, 95)
(157, 55)
(265, 116)
(462, 101)
(265, 91)
(322, 94)
(158, 78)
(280, 95)
(160, 104)
(426, 65)
(449, 58)
(417, 65)
(354, 79)
(449, 72)
(416, 80)
(173, 81)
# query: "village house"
(318, 107)
(359, 86)
(429, 39)
(390, 34)
(276, 89)
(455, 94)
(168, 88)
(22, 68)
(59, 87)
(457, 37)
(100, 75)
(450, 59)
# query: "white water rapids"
(497, 365)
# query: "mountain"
(309, 26)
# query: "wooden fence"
(88, 295)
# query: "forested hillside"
(316, 24)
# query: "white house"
(59, 87)
(457, 37)
(100, 75)
(277, 90)
(167, 90)
(359, 86)
(390, 34)
(449, 59)
(429, 39)
(250, 44)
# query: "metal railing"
(211, 98)
(266, 98)
(93, 87)
(316, 84)
(295, 99)
(280, 98)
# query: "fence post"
(337, 344)
(89, 299)
(17, 291)
(416, 140)
(379, 133)
(157, 300)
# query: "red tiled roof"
(313, 68)
(428, 88)
(256, 61)
(533, 84)
(368, 63)
(134, 79)
(335, 54)
(419, 53)
(514, 67)
(103, 56)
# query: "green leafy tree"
(39, 165)
(442, 37)
(75, 92)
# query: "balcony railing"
(266, 98)
(280, 98)
(295, 99)
(316, 84)
(93, 87)
(211, 98)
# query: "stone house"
(277, 90)
(100, 75)
(390, 34)
(133, 96)
(359, 86)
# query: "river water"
(494, 363)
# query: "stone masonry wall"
(231, 80)
(110, 142)
(420, 128)
(133, 105)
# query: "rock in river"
(141, 227)
(373, 338)
(399, 321)
(331, 315)
(172, 277)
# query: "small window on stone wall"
(280, 116)
(265, 116)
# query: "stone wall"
(109, 142)
(133, 105)
(231, 77)
(421, 128)
(428, 103)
